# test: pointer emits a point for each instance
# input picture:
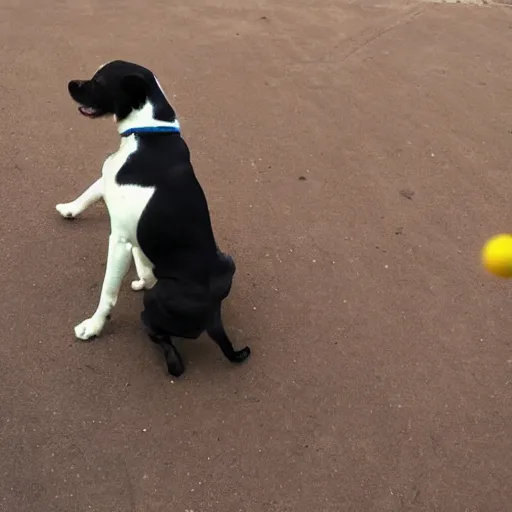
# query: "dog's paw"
(175, 368)
(241, 355)
(68, 210)
(89, 329)
(138, 285)
(144, 284)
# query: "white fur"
(144, 271)
(143, 117)
(161, 89)
(125, 205)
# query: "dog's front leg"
(118, 262)
(81, 203)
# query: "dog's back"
(175, 233)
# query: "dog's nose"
(74, 85)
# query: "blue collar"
(151, 129)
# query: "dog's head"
(117, 89)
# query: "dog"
(159, 216)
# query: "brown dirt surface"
(356, 156)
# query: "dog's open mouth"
(89, 111)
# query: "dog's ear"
(133, 91)
(135, 88)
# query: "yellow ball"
(497, 255)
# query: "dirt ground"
(355, 155)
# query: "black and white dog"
(158, 214)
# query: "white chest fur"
(125, 203)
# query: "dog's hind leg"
(81, 203)
(175, 365)
(218, 334)
(144, 271)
